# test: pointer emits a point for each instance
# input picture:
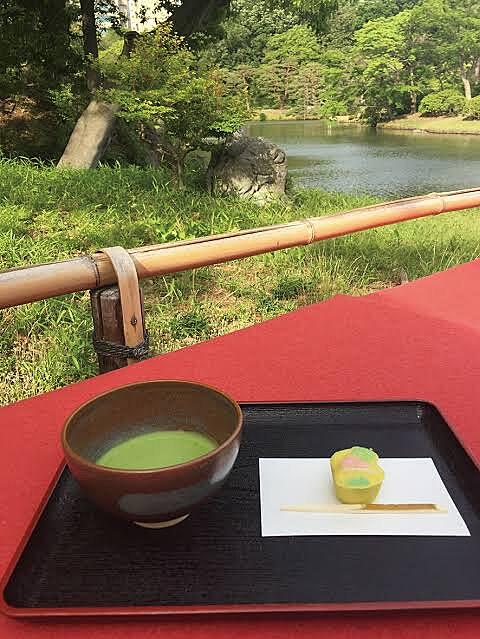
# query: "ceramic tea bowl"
(153, 497)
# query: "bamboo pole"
(19, 286)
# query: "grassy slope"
(435, 125)
(47, 215)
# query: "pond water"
(386, 163)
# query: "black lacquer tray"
(79, 561)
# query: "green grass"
(442, 124)
(48, 215)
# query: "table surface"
(417, 341)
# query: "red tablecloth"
(417, 341)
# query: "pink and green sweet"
(357, 476)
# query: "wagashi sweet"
(357, 475)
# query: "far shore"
(446, 125)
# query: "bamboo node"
(96, 272)
(311, 227)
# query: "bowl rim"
(145, 471)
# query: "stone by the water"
(250, 167)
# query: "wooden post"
(108, 324)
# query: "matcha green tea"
(158, 450)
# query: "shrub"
(446, 102)
(66, 102)
(332, 108)
(472, 108)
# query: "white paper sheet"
(309, 481)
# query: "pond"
(386, 163)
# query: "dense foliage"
(374, 59)
(446, 102)
(161, 91)
(472, 109)
(219, 62)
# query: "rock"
(90, 137)
(249, 167)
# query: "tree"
(306, 86)
(395, 64)
(84, 150)
(42, 43)
(315, 13)
(90, 44)
(39, 50)
(160, 90)
(448, 35)
(340, 91)
(239, 82)
(379, 56)
(190, 16)
(40, 59)
(414, 49)
(245, 32)
(351, 15)
(284, 54)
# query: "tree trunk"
(90, 44)
(413, 94)
(179, 171)
(477, 70)
(247, 101)
(90, 137)
(413, 102)
(466, 83)
(129, 39)
(287, 85)
(216, 154)
(246, 93)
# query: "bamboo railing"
(29, 284)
